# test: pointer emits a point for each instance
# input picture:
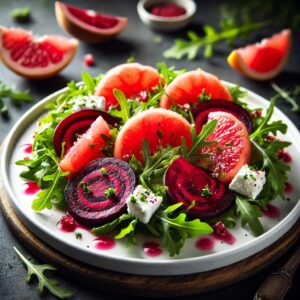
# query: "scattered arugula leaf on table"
(190, 48)
(44, 282)
(12, 95)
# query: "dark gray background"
(137, 41)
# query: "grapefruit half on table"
(88, 25)
(264, 60)
(35, 57)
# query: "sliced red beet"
(201, 111)
(192, 185)
(76, 124)
(87, 193)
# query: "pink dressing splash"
(205, 244)
(104, 243)
(271, 212)
(152, 249)
(68, 224)
(27, 148)
(222, 234)
(288, 188)
(31, 188)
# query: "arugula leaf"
(287, 96)
(176, 229)
(110, 227)
(168, 73)
(44, 282)
(125, 107)
(89, 81)
(250, 214)
(190, 48)
(14, 96)
(127, 230)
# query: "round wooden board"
(147, 286)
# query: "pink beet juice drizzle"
(205, 244)
(288, 188)
(104, 243)
(271, 212)
(31, 188)
(222, 234)
(152, 249)
(27, 148)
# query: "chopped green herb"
(92, 146)
(219, 148)
(229, 144)
(21, 14)
(78, 235)
(159, 133)
(109, 193)
(103, 171)
(132, 199)
(131, 59)
(85, 187)
(206, 192)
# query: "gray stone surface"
(138, 41)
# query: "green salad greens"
(170, 222)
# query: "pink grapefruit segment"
(158, 126)
(186, 89)
(130, 78)
(87, 147)
(35, 58)
(233, 148)
(263, 60)
(88, 25)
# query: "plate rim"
(153, 266)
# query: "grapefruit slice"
(186, 89)
(233, 148)
(35, 58)
(263, 60)
(87, 147)
(130, 78)
(160, 127)
(88, 25)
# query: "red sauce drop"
(152, 249)
(288, 188)
(205, 244)
(104, 243)
(27, 148)
(31, 188)
(168, 10)
(221, 233)
(67, 224)
(285, 156)
(271, 212)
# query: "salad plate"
(195, 256)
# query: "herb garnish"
(206, 192)
(14, 96)
(110, 192)
(44, 282)
(21, 14)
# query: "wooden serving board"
(147, 286)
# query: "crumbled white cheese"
(89, 102)
(142, 204)
(248, 182)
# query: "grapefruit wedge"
(88, 25)
(233, 148)
(187, 88)
(130, 78)
(264, 60)
(160, 127)
(35, 58)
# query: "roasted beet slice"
(188, 183)
(97, 193)
(201, 111)
(77, 123)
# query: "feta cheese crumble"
(142, 204)
(248, 182)
(89, 102)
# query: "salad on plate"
(169, 154)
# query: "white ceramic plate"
(133, 259)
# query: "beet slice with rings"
(87, 196)
(202, 110)
(202, 195)
(76, 124)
